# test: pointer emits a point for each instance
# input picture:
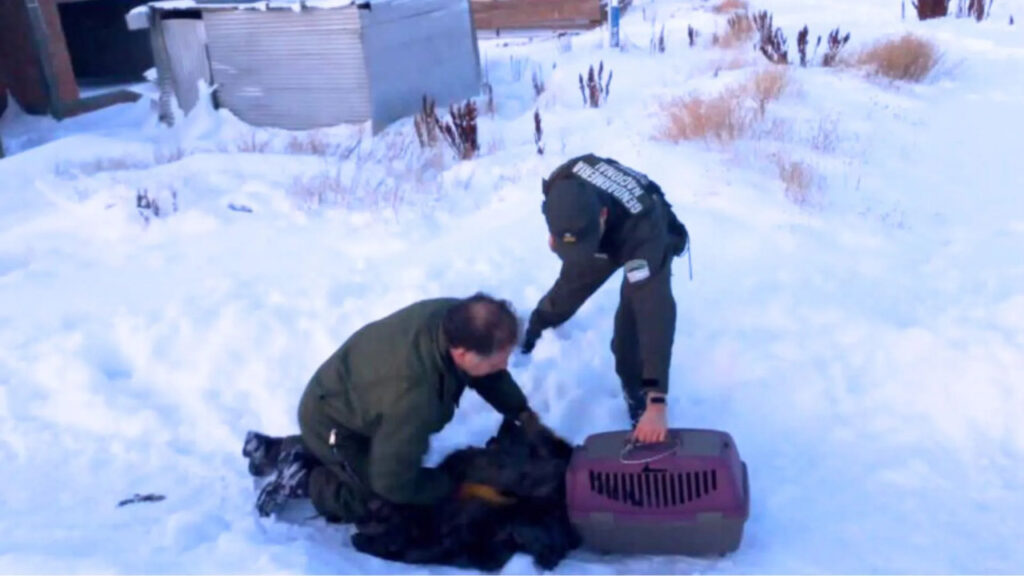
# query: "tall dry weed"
(739, 30)
(909, 58)
(727, 6)
(721, 117)
(798, 177)
(726, 116)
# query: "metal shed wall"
(417, 47)
(292, 70)
(186, 39)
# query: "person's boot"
(265, 451)
(290, 480)
(262, 452)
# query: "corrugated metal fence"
(294, 70)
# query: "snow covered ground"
(864, 349)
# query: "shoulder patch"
(637, 271)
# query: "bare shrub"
(767, 86)
(726, 6)
(734, 62)
(835, 45)
(727, 116)
(801, 44)
(312, 143)
(657, 43)
(798, 178)
(771, 41)
(252, 143)
(976, 9)
(927, 9)
(908, 58)
(596, 89)
(538, 132)
(149, 207)
(825, 138)
(538, 82)
(739, 30)
(722, 117)
(427, 123)
(323, 188)
(460, 130)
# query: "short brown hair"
(481, 324)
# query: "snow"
(863, 349)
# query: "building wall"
(512, 14)
(293, 70)
(416, 48)
(20, 62)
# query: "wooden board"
(511, 14)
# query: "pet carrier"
(688, 495)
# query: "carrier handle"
(664, 449)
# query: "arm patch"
(637, 271)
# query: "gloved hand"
(530, 422)
(489, 494)
(530, 338)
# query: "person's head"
(481, 333)
(575, 218)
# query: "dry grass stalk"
(798, 177)
(835, 45)
(538, 132)
(427, 123)
(538, 82)
(721, 117)
(734, 62)
(771, 40)
(976, 9)
(726, 6)
(739, 31)
(908, 58)
(767, 86)
(461, 133)
(313, 143)
(726, 116)
(251, 143)
(826, 138)
(801, 44)
(596, 89)
(320, 189)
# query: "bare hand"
(652, 426)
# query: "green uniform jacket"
(395, 383)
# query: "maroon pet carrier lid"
(695, 472)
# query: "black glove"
(530, 339)
(531, 423)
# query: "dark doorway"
(103, 51)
